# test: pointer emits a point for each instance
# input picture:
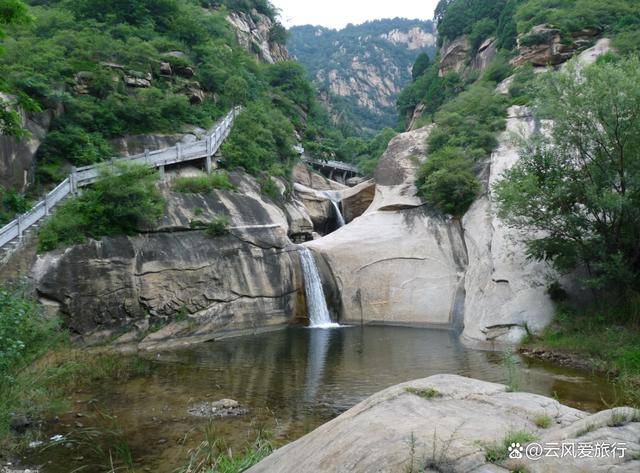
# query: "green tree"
(420, 66)
(11, 12)
(580, 185)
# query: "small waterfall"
(336, 206)
(341, 222)
(316, 302)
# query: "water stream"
(291, 381)
(340, 218)
(336, 207)
(319, 316)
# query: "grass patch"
(610, 339)
(39, 367)
(426, 393)
(543, 421)
(204, 184)
(499, 451)
(213, 454)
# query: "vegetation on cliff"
(123, 201)
(110, 69)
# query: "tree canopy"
(579, 185)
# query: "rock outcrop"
(177, 274)
(409, 263)
(449, 423)
(17, 155)
(416, 267)
(505, 292)
(544, 45)
(454, 55)
(253, 32)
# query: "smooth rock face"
(177, 274)
(451, 420)
(505, 292)
(397, 263)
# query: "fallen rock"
(448, 423)
(222, 408)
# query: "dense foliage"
(123, 201)
(323, 50)
(581, 184)
(106, 65)
(464, 135)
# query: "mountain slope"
(361, 69)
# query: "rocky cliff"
(362, 68)
(176, 280)
(254, 32)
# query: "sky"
(338, 13)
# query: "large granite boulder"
(449, 423)
(399, 262)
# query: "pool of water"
(291, 381)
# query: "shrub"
(202, 184)
(219, 226)
(261, 138)
(121, 202)
(269, 188)
(23, 331)
(481, 31)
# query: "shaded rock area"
(17, 156)
(545, 45)
(222, 408)
(449, 423)
(177, 281)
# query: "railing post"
(19, 227)
(207, 162)
(146, 156)
(73, 179)
(46, 204)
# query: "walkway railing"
(86, 175)
(337, 165)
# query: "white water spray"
(336, 206)
(316, 302)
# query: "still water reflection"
(292, 381)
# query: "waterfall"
(316, 302)
(336, 207)
(341, 222)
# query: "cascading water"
(336, 207)
(341, 222)
(316, 302)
